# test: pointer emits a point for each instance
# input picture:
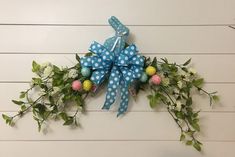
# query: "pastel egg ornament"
(87, 85)
(155, 79)
(150, 70)
(76, 85)
(144, 77)
(86, 72)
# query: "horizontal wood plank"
(9, 91)
(149, 39)
(131, 12)
(114, 149)
(133, 126)
(214, 68)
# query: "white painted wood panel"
(114, 149)
(53, 30)
(214, 68)
(132, 12)
(133, 126)
(149, 39)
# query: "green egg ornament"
(144, 77)
(86, 72)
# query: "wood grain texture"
(149, 39)
(131, 12)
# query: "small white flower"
(179, 84)
(187, 76)
(55, 90)
(66, 76)
(47, 71)
(165, 81)
(46, 64)
(176, 91)
(178, 105)
(49, 83)
(60, 100)
(73, 73)
(171, 107)
(31, 84)
(192, 70)
(41, 92)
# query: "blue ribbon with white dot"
(121, 65)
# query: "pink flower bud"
(76, 85)
(155, 79)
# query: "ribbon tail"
(112, 88)
(124, 99)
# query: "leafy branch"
(175, 91)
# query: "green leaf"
(88, 54)
(189, 101)
(184, 69)
(69, 121)
(79, 101)
(154, 99)
(36, 67)
(18, 102)
(164, 60)
(198, 82)
(179, 115)
(154, 62)
(37, 81)
(195, 126)
(23, 107)
(77, 58)
(197, 146)
(7, 119)
(182, 137)
(39, 123)
(187, 62)
(189, 143)
(22, 95)
(215, 98)
(64, 116)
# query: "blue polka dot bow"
(122, 65)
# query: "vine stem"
(22, 112)
(75, 115)
(204, 91)
(177, 122)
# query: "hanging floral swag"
(120, 66)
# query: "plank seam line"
(130, 111)
(110, 140)
(106, 25)
(147, 53)
(26, 82)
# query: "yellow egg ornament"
(87, 85)
(150, 70)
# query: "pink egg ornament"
(155, 79)
(76, 85)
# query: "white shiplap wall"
(53, 30)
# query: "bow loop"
(137, 60)
(122, 60)
(130, 50)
